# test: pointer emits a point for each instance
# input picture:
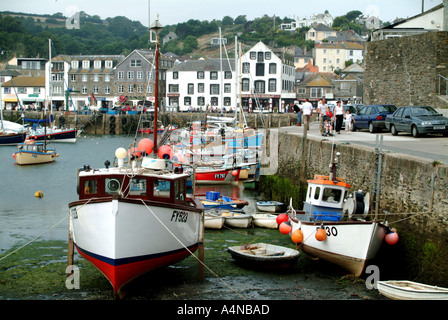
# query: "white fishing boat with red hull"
(130, 220)
(135, 216)
(209, 175)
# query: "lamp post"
(156, 27)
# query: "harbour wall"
(98, 123)
(413, 199)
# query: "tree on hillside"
(240, 20)
(227, 21)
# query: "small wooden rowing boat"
(269, 206)
(265, 220)
(409, 290)
(237, 219)
(212, 220)
(263, 255)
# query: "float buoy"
(146, 145)
(281, 218)
(39, 194)
(321, 235)
(285, 227)
(297, 236)
(391, 238)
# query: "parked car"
(346, 107)
(417, 120)
(372, 117)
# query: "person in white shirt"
(349, 122)
(339, 114)
(307, 111)
(321, 110)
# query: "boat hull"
(409, 290)
(29, 158)
(265, 220)
(265, 256)
(57, 136)
(125, 238)
(218, 176)
(269, 206)
(349, 245)
(12, 139)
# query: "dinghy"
(409, 290)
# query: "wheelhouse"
(101, 184)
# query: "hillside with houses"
(281, 62)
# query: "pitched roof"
(23, 81)
(322, 27)
(320, 79)
(204, 65)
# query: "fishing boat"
(210, 175)
(32, 152)
(409, 290)
(333, 230)
(269, 206)
(134, 216)
(213, 220)
(214, 200)
(265, 220)
(263, 255)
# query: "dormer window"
(75, 64)
(108, 64)
(97, 64)
(85, 64)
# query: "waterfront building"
(29, 90)
(135, 77)
(320, 32)
(91, 80)
(267, 82)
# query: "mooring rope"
(191, 253)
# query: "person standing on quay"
(321, 110)
(299, 114)
(307, 110)
(339, 114)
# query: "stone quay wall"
(404, 71)
(408, 201)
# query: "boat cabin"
(31, 146)
(106, 183)
(325, 198)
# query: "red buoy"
(285, 227)
(282, 218)
(145, 145)
(391, 238)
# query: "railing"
(441, 78)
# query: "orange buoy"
(234, 173)
(391, 238)
(282, 218)
(285, 227)
(146, 145)
(165, 152)
(321, 235)
(297, 236)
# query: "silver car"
(417, 120)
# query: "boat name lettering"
(220, 176)
(331, 231)
(179, 216)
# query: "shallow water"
(37, 271)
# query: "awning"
(10, 100)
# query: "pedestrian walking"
(299, 114)
(321, 110)
(339, 114)
(307, 109)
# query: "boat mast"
(50, 89)
(156, 27)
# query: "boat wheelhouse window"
(179, 189)
(90, 187)
(317, 193)
(138, 187)
(161, 188)
(113, 185)
(332, 195)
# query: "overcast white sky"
(177, 11)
